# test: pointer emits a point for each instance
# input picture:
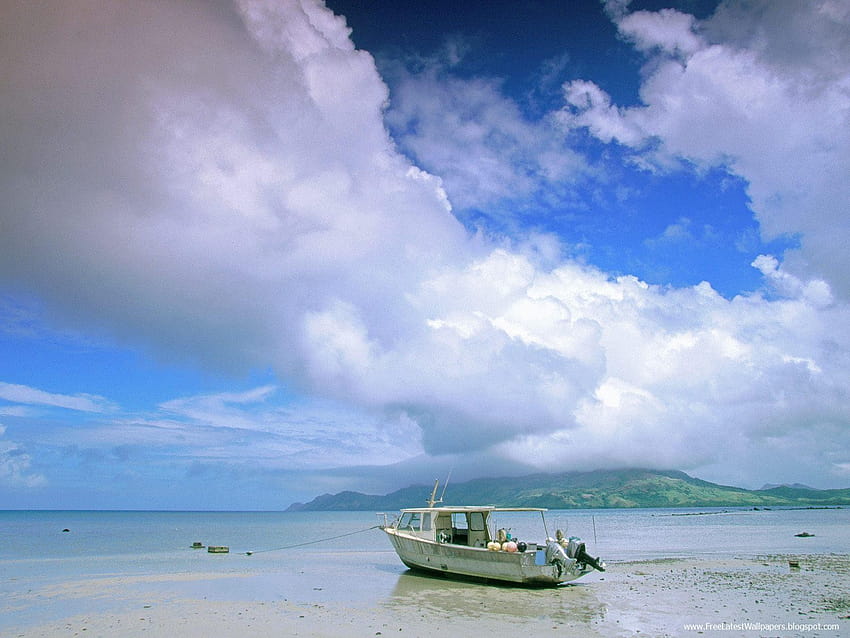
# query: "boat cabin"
(456, 527)
(466, 526)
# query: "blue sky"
(254, 252)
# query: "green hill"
(597, 489)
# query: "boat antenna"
(446, 485)
(432, 500)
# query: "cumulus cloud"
(760, 89)
(221, 186)
(671, 375)
(667, 30)
(817, 292)
(490, 157)
(205, 166)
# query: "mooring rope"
(320, 540)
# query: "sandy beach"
(754, 596)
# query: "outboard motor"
(577, 551)
(555, 555)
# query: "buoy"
(66, 530)
(493, 546)
(218, 549)
(521, 546)
(510, 546)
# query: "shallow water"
(110, 557)
(33, 545)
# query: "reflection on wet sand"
(572, 604)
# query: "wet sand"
(755, 596)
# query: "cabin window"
(460, 529)
(459, 521)
(426, 522)
(476, 521)
(409, 520)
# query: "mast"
(432, 500)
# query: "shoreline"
(734, 596)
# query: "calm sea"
(36, 555)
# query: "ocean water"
(48, 573)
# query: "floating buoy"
(218, 549)
(66, 530)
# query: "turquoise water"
(99, 540)
(34, 547)
(661, 533)
(37, 556)
(97, 533)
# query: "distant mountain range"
(574, 490)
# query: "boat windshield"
(415, 521)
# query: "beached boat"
(463, 541)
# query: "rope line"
(320, 540)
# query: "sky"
(258, 251)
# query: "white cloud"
(761, 89)
(246, 207)
(15, 466)
(251, 427)
(592, 108)
(690, 375)
(28, 396)
(225, 409)
(251, 192)
(668, 30)
(677, 233)
(817, 291)
(486, 152)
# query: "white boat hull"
(475, 562)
